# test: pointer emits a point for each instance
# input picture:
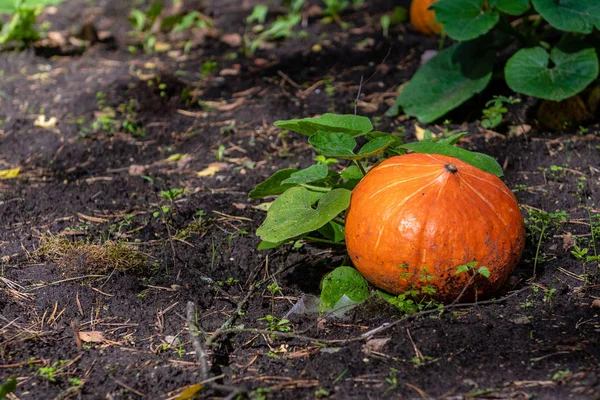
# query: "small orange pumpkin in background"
(423, 19)
(413, 219)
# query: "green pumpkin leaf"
(449, 79)
(353, 125)
(343, 281)
(527, 72)
(479, 160)
(313, 173)
(273, 185)
(339, 145)
(8, 387)
(332, 231)
(292, 214)
(570, 15)
(395, 148)
(452, 140)
(375, 146)
(512, 7)
(10, 6)
(465, 19)
(264, 245)
(352, 173)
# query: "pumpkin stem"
(451, 168)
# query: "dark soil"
(101, 185)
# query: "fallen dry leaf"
(212, 169)
(229, 72)
(175, 157)
(420, 133)
(161, 47)
(9, 173)
(137, 170)
(42, 122)
(367, 107)
(57, 37)
(92, 219)
(568, 241)
(374, 345)
(260, 62)
(189, 392)
(519, 130)
(314, 11)
(92, 336)
(232, 39)
(225, 106)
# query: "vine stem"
(195, 338)
(383, 327)
(319, 240)
(361, 167)
(537, 252)
(339, 221)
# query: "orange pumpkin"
(413, 219)
(423, 19)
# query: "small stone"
(172, 340)
(520, 320)
(596, 303)
(232, 39)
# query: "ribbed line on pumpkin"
(484, 200)
(406, 165)
(502, 189)
(392, 185)
(438, 160)
(396, 207)
(442, 187)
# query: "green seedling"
(171, 194)
(49, 373)
(110, 120)
(180, 351)
(548, 294)
(8, 387)
(385, 21)
(227, 282)
(21, 27)
(258, 15)
(539, 224)
(419, 361)
(281, 28)
(471, 268)
(199, 225)
(392, 379)
(275, 324)
(333, 8)
(274, 288)
(495, 110)
(561, 374)
(208, 67)
(75, 382)
(145, 29)
(259, 394)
